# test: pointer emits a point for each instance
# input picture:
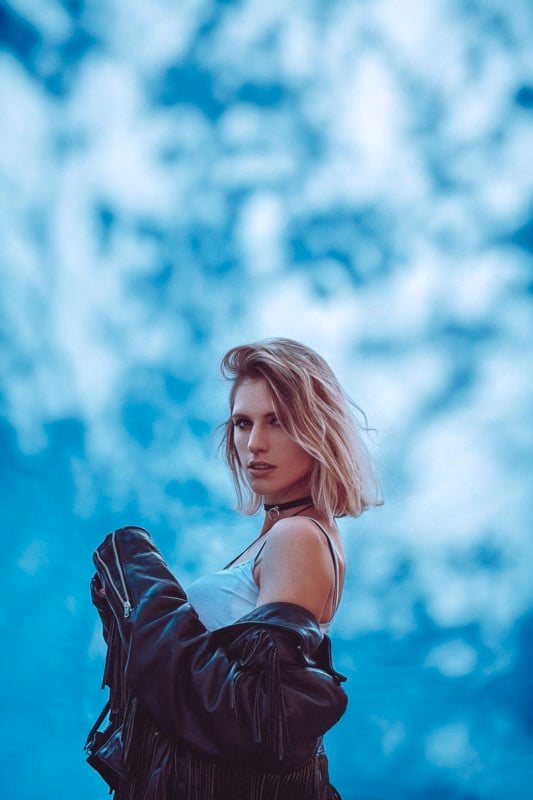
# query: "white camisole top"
(223, 597)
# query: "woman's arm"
(296, 567)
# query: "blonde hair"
(315, 412)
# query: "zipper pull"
(127, 608)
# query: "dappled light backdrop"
(180, 177)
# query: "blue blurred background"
(180, 177)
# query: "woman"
(226, 690)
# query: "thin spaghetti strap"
(334, 559)
(258, 554)
(233, 560)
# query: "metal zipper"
(127, 604)
(124, 599)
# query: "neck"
(300, 501)
(274, 510)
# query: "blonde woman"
(226, 690)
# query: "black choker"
(276, 508)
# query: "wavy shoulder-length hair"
(315, 412)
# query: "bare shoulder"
(304, 534)
(296, 566)
(295, 534)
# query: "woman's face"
(275, 465)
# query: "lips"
(260, 468)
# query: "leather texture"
(259, 693)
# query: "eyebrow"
(240, 414)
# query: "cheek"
(306, 459)
(239, 442)
(300, 457)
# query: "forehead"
(253, 395)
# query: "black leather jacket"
(260, 692)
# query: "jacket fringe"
(206, 780)
(158, 769)
(275, 734)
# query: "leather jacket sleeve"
(102, 606)
(262, 690)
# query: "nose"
(257, 441)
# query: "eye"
(241, 423)
(274, 421)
